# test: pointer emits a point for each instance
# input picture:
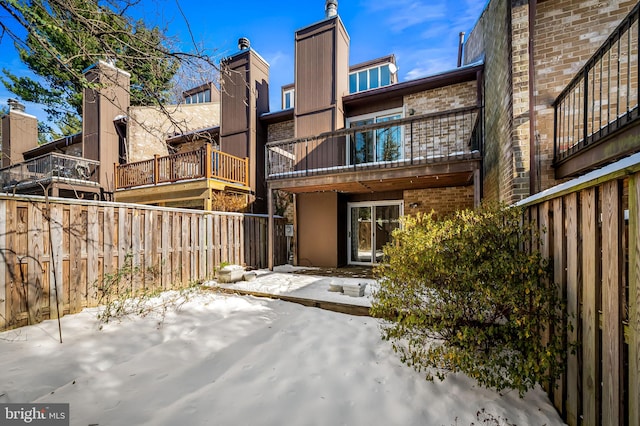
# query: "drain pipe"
(460, 44)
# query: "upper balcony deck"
(39, 174)
(441, 145)
(596, 115)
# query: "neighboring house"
(166, 156)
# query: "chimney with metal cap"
(243, 43)
(14, 105)
(331, 8)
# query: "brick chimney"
(19, 133)
(101, 105)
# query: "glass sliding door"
(370, 227)
(372, 146)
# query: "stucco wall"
(149, 127)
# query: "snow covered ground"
(234, 360)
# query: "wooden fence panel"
(573, 374)
(35, 264)
(93, 251)
(55, 256)
(612, 220)
(558, 245)
(590, 284)
(166, 260)
(56, 308)
(634, 300)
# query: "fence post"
(634, 300)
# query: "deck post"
(156, 169)
(207, 162)
(477, 188)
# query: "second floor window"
(199, 97)
(370, 78)
(287, 99)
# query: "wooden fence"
(72, 245)
(593, 238)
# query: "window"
(370, 78)
(377, 145)
(287, 99)
(198, 97)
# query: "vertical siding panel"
(634, 300)
(612, 217)
(572, 305)
(590, 349)
(93, 241)
(3, 264)
(55, 280)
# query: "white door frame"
(369, 204)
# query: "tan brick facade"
(442, 201)
(280, 131)
(490, 38)
(566, 34)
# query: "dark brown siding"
(19, 134)
(100, 108)
(321, 77)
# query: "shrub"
(471, 294)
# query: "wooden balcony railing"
(602, 98)
(199, 164)
(422, 139)
(48, 168)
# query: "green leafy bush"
(471, 294)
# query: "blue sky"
(422, 34)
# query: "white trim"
(370, 204)
(375, 116)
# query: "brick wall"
(567, 33)
(442, 201)
(280, 131)
(491, 38)
(443, 137)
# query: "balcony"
(187, 179)
(596, 115)
(199, 164)
(433, 142)
(51, 170)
